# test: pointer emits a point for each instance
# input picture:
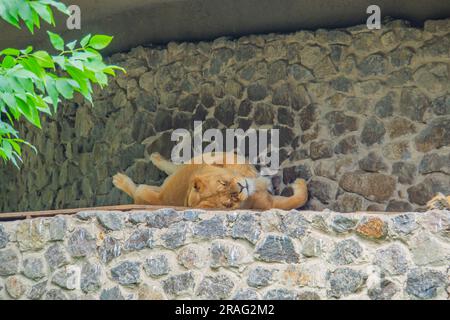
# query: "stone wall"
(364, 116)
(167, 254)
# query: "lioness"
(218, 185)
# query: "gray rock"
(413, 104)
(433, 162)
(37, 291)
(210, 228)
(256, 92)
(33, 268)
(179, 284)
(191, 257)
(55, 294)
(341, 84)
(433, 183)
(405, 172)
(191, 215)
(31, 235)
(347, 145)
(308, 295)
(140, 239)
(343, 224)
(90, 279)
(86, 215)
(175, 236)
(385, 106)
(57, 228)
(321, 149)
(425, 283)
(67, 278)
(137, 217)
(322, 189)
(373, 65)
(215, 287)
(404, 224)
(384, 291)
(280, 294)
(345, 281)
(274, 248)
(225, 254)
(111, 220)
(435, 135)
(372, 186)
(427, 250)
(81, 243)
(259, 277)
(373, 162)
(441, 105)
(346, 252)
(246, 227)
(163, 218)
(225, 112)
(113, 293)
(157, 265)
(372, 132)
(340, 123)
(398, 206)
(9, 262)
(109, 250)
(4, 237)
(264, 114)
(312, 247)
(294, 224)
(56, 256)
(127, 273)
(392, 259)
(15, 287)
(246, 294)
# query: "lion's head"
(218, 188)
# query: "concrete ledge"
(168, 254)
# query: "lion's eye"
(224, 183)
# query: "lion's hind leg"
(163, 164)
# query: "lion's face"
(220, 190)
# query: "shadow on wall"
(364, 116)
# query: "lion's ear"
(198, 184)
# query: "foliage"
(35, 82)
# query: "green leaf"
(28, 109)
(71, 45)
(99, 42)
(64, 88)
(85, 40)
(56, 40)
(43, 11)
(32, 64)
(8, 62)
(10, 52)
(44, 59)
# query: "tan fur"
(439, 202)
(219, 185)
